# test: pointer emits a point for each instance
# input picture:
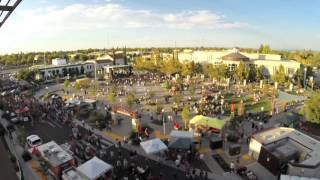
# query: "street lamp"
(305, 77)
(163, 122)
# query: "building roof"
(73, 174)
(235, 56)
(312, 145)
(54, 154)
(43, 67)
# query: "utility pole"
(45, 64)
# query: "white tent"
(181, 134)
(94, 168)
(153, 146)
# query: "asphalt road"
(49, 131)
(7, 168)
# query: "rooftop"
(290, 139)
(73, 174)
(235, 56)
(54, 154)
(40, 67)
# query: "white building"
(71, 69)
(286, 149)
(269, 63)
(59, 61)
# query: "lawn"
(254, 108)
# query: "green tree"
(311, 108)
(188, 68)
(151, 94)
(251, 76)
(77, 85)
(112, 94)
(185, 114)
(26, 74)
(259, 75)
(171, 66)
(66, 83)
(264, 49)
(192, 90)
(220, 72)
(241, 72)
(177, 98)
(130, 99)
(280, 75)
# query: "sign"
(232, 107)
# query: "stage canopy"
(207, 121)
(153, 146)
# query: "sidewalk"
(15, 148)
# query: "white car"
(33, 141)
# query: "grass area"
(254, 108)
(234, 99)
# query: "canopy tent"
(153, 146)
(180, 139)
(180, 143)
(181, 134)
(94, 168)
(207, 121)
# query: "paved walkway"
(14, 146)
(6, 166)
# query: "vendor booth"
(153, 146)
(94, 169)
(180, 139)
(200, 123)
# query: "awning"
(153, 146)
(207, 121)
(94, 168)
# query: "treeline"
(307, 57)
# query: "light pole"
(163, 122)
(305, 77)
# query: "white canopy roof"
(181, 134)
(287, 177)
(153, 146)
(94, 168)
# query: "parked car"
(33, 141)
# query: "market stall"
(153, 146)
(180, 139)
(94, 169)
(201, 123)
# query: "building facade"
(269, 63)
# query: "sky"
(46, 25)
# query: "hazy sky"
(38, 25)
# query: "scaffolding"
(6, 8)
